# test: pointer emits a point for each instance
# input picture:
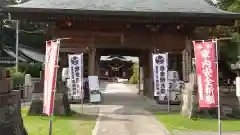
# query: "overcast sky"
(214, 1)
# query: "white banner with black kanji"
(76, 91)
(160, 70)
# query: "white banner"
(160, 74)
(238, 86)
(50, 75)
(76, 91)
(93, 83)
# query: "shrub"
(34, 69)
(18, 79)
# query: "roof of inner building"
(122, 7)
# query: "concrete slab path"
(177, 132)
(123, 112)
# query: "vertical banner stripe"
(51, 63)
(206, 71)
(76, 76)
(160, 73)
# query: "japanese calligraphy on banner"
(160, 69)
(51, 63)
(185, 65)
(206, 72)
(76, 77)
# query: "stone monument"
(189, 97)
(28, 87)
(10, 108)
(61, 104)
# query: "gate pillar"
(92, 62)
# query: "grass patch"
(77, 124)
(174, 121)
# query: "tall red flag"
(51, 62)
(206, 72)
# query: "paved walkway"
(123, 112)
(176, 132)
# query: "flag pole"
(219, 106)
(82, 83)
(82, 104)
(56, 66)
(17, 44)
(167, 87)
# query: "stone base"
(61, 105)
(10, 115)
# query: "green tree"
(134, 79)
(30, 33)
(229, 5)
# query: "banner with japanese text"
(50, 75)
(76, 76)
(206, 73)
(160, 74)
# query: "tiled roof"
(156, 6)
(36, 56)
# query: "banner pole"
(17, 44)
(56, 66)
(82, 104)
(167, 87)
(169, 100)
(219, 106)
(82, 82)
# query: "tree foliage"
(134, 79)
(229, 5)
(229, 49)
(32, 34)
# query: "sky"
(214, 1)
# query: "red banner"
(51, 62)
(206, 72)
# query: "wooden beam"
(87, 34)
(73, 50)
(76, 43)
(123, 46)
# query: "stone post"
(141, 72)
(28, 87)
(189, 94)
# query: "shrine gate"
(123, 27)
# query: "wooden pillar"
(97, 62)
(142, 63)
(145, 81)
(147, 73)
(187, 60)
(150, 75)
(92, 62)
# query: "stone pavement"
(123, 112)
(177, 132)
